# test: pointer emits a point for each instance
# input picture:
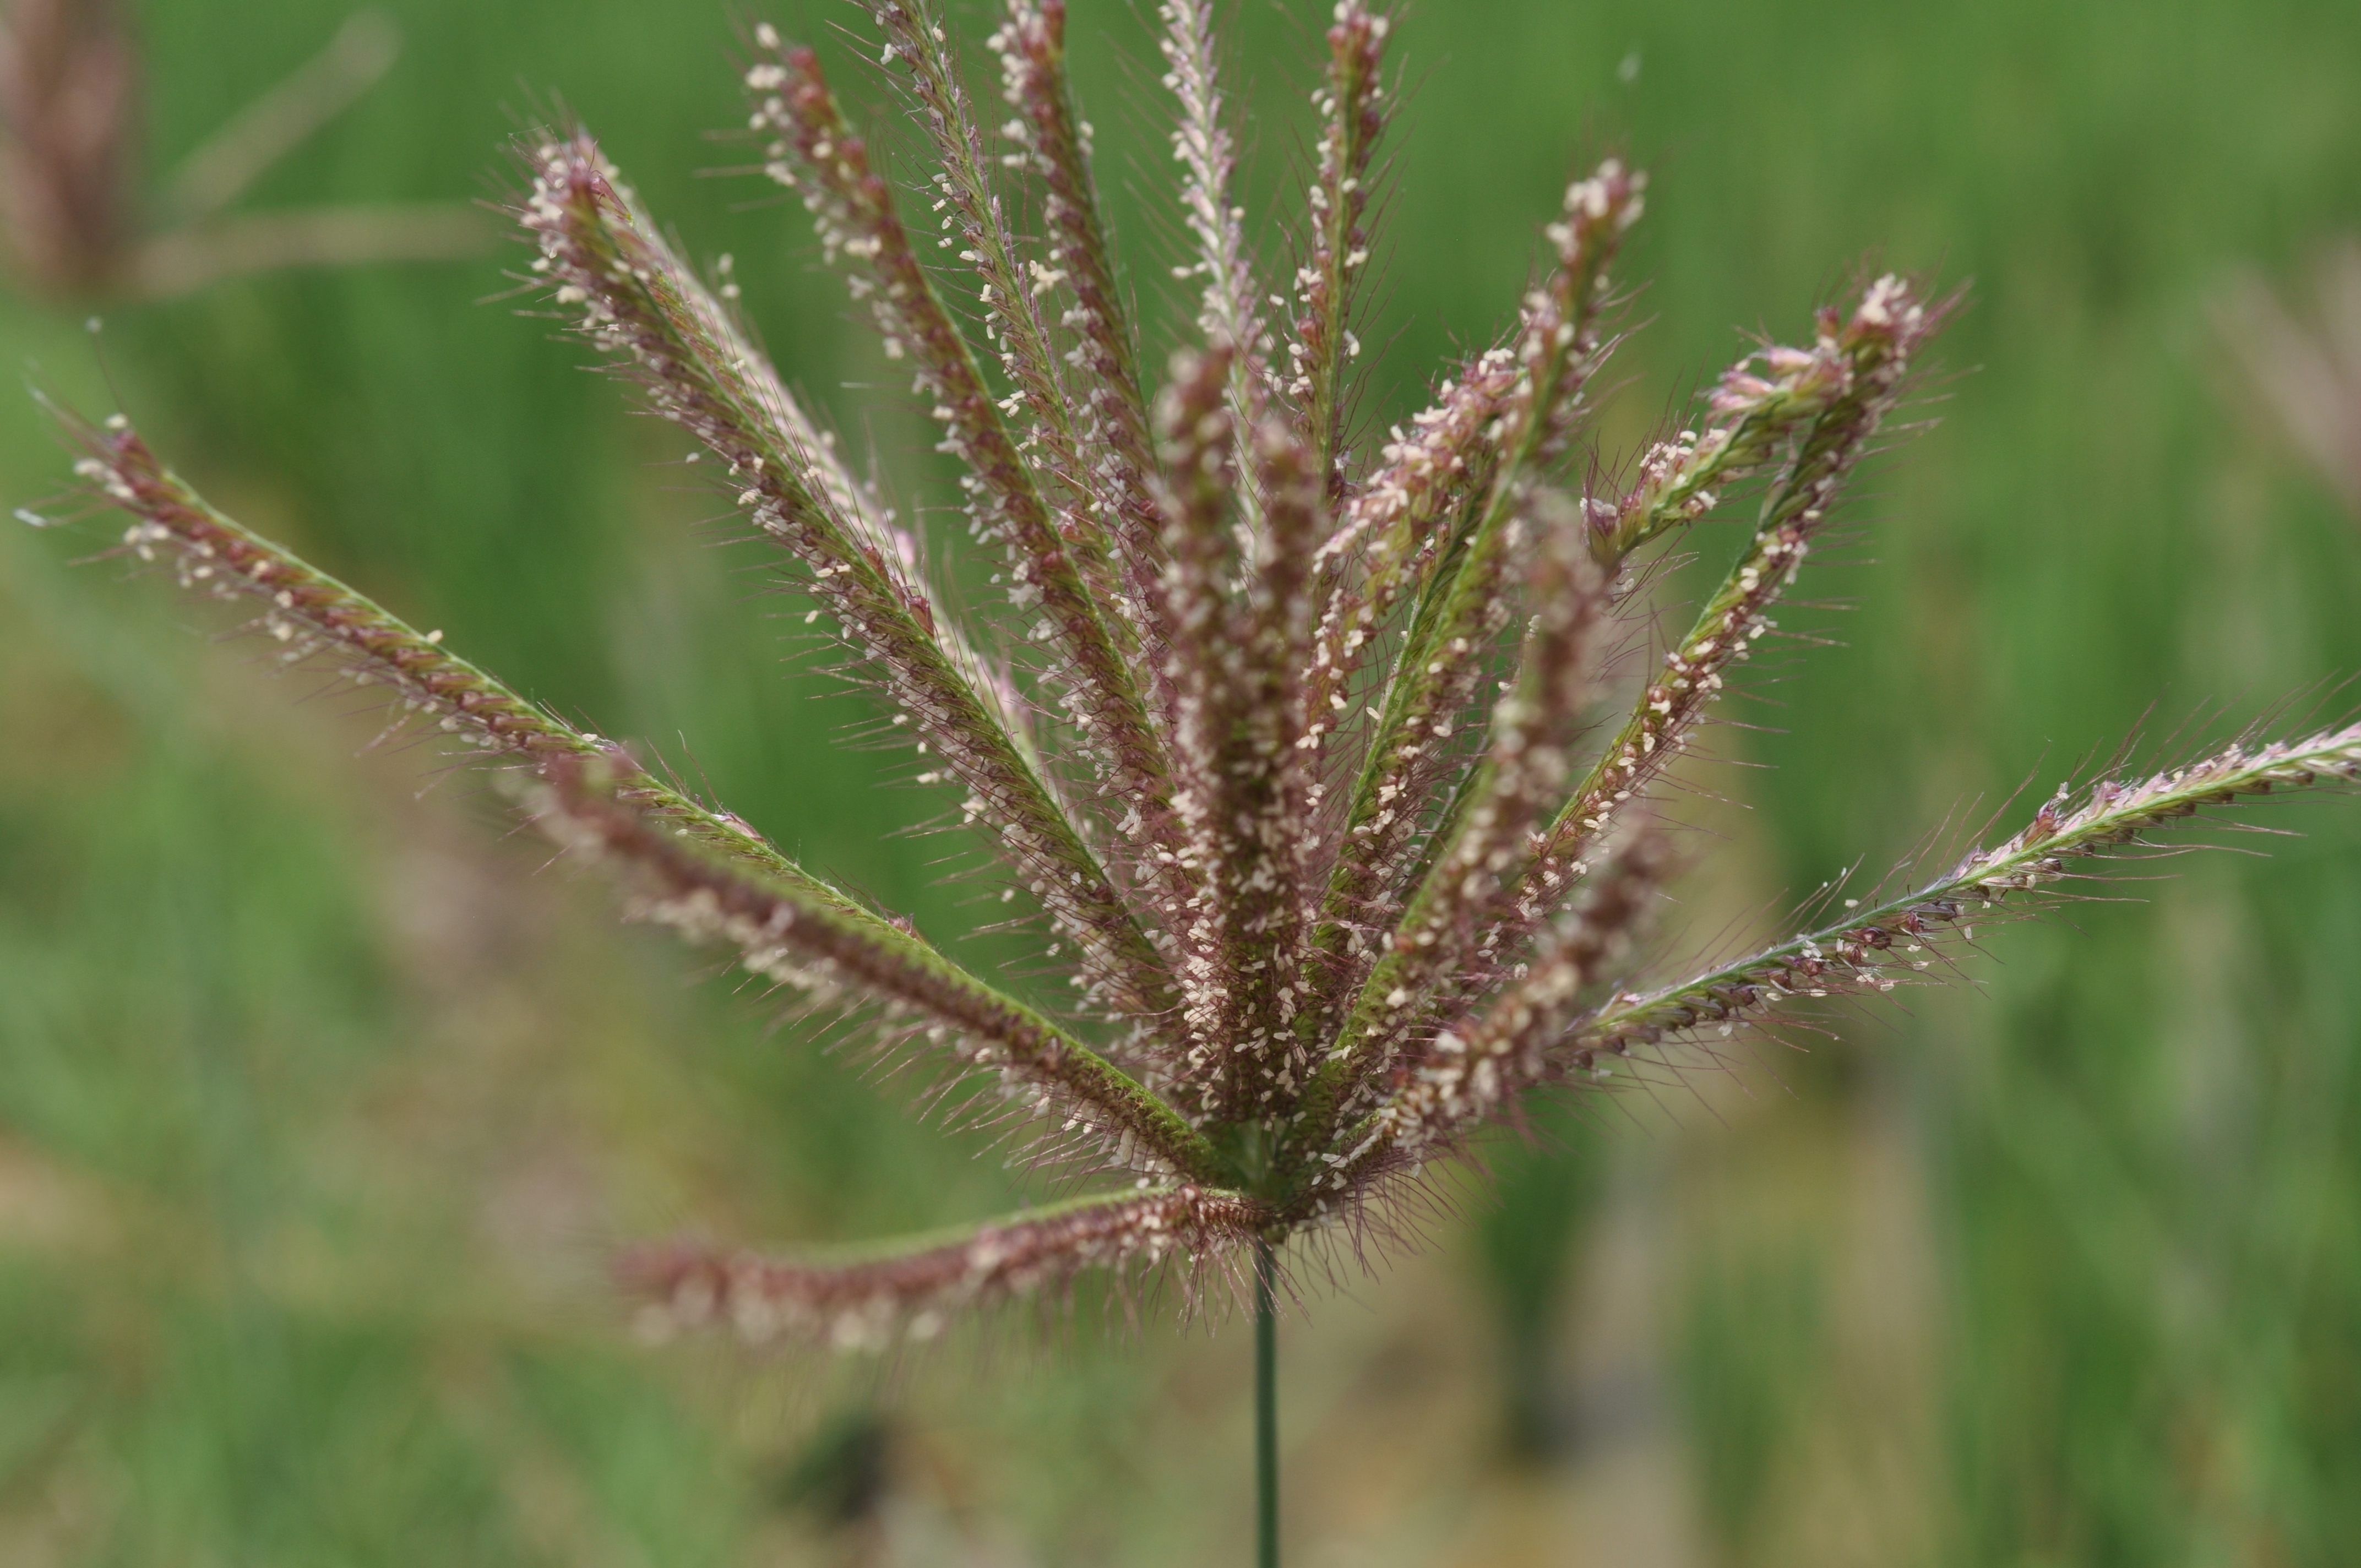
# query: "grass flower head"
(1314, 756)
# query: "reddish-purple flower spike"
(1845, 386)
(1031, 46)
(1350, 105)
(1010, 288)
(1749, 417)
(1229, 308)
(785, 935)
(1107, 520)
(1465, 1074)
(1446, 939)
(1394, 537)
(867, 1299)
(638, 303)
(1879, 949)
(702, 872)
(1237, 606)
(1344, 879)
(816, 154)
(1448, 646)
(1200, 486)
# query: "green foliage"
(1748, 1354)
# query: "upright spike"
(1009, 290)
(1238, 606)
(640, 305)
(1031, 46)
(1440, 942)
(1396, 529)
(1449, 646)
(1200, 544)
(1350, 106)
(1228, 312)
(817, 155)
(1845, 386)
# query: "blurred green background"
(318, 1107)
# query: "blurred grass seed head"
(74, 219)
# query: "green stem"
(1266, 1407)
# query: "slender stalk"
(1266, 1406)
